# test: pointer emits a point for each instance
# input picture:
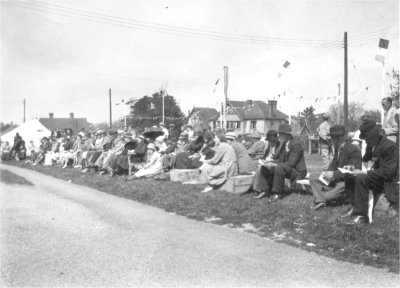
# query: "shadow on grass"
(290, 220)
(8, 177)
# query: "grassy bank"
(290, 220)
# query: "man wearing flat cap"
(292, 165)
(334, 184)
(384, 155)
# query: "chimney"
(249, 103)
(51, 115)
(272, 107)
(71, 115)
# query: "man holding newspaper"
(332, 183)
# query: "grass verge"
(11, 178)
(290, 220)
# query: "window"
(253, 124)
(232, 125)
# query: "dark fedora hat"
(285, 129)
(272, 133)
(366, 128)
(337, 131)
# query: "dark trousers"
(363, 184)
(263, 179)
(282, 171)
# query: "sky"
(64, 56)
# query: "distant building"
(203, 118)
(253, 116)
(76, 124)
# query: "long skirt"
(217, 175)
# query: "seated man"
(293, 165)
(256, 151)
(263, 178)
(384, 155)
(346, 154)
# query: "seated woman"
(223, 165)
(52, 155)
(6, 151)
(246, 165)
(119, 163)
(190, 159)
(153, 165)
(45, 147)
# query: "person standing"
(390, 125)
(324, 141)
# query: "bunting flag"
(121, 102)
(285, 65)
(316, 100)
(382, 50)
(215, 85)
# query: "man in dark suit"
(293, 165)
(384, 155)
(263, 178)
(346, 154)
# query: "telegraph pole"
(345, 88)
(226, 95)
(110, 109)
(338, 119)
(24, 109)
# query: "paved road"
(61, 234)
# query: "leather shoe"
(261, 195)
(348, 213)
(275, 198)
(356, 220)
(318, 206)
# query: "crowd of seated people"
(219, 155)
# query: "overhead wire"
(168, 29)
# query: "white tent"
(30, 130)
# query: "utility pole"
(110, 109)
(24, 109)
(226, 76)
(345, 89)
(338, 119)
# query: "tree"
(308, 117)
(147, 112)
(356, 110)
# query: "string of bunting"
(156, 118)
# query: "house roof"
(206, 114)
(257, 110)
(12, 127)
(63, 123)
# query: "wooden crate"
(238, 184)
(184, 175)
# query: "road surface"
(60, 234)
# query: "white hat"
(230, 136)
(151, 146)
